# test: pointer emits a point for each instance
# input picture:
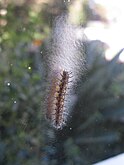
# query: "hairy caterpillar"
(56, 110)
(65, 58)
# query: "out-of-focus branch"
(76, 11)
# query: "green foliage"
(21, 99)
(95, 127)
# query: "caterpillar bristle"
(65, 61)
(56, 109)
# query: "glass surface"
(61, 81)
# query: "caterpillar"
(64, 54)
(56, 110)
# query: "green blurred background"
(95, 128)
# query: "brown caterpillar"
(56, 111)
(64, 54)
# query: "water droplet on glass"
(29, 68)
(8, 83)
(14, 101)
(70, 128)
(41, 52)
